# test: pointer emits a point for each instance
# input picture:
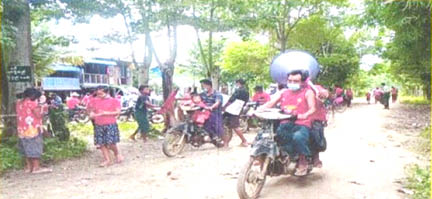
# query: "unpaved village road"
(365, 158)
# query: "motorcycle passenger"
(72, 103)
(234, 120)
(213, 101)
(260, 96)
(141, 106)
(318, 143)
(298, 100)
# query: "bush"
(419, 181)
(54, 150)
(414, 100)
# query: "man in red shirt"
(104, 111)
(297, 100)
(260, 96)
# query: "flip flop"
(27, 171)
(42, 170)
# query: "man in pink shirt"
(73, 101)
(260, 96)
(104, 110)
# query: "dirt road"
(365, 158)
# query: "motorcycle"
(79, 114)
(128, 115)
(266, 157)
(178, 136)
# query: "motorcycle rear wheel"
(173, 143)
(250, 177)
(82, 118)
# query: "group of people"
(382, 94)
(296, 97)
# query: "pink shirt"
(105, 104)
(339, 91)
(71, 103)
(28, 121)
(321, 112)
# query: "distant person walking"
(29, 123)
(377, 94)
(394, 94)
(385, 99)
(104, 111)
(368, 96)
(141, 107)
(349, 96)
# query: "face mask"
(293, 87)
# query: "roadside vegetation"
(56, 150)
(417, 100)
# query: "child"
(200, 116)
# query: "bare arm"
(215, 105)
(310, 99)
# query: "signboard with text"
(19, 74)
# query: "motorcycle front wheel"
(174, 143)
(251, 181)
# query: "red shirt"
(261, 97)
(321, 112)
(72, 102)
(99, 105)
(28, 121)
(295, 102)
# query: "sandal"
(27, 170)
(42, 170)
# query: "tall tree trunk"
(20, 55)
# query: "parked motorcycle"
(188, 132)
(266, 157)
(128, 115)
(79, 114)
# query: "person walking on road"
(141, 108)
(385, 99)
(104, 111)
(394, 94)
(233, 119)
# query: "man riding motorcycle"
(213, 101)
(298, 100)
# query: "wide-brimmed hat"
(74, 94)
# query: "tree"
(409, 48)
(18, 49)
(337, 56)
(211, 17)
(248, 60)
(280, 17)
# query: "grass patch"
(54, 150)
(419, 182)
(423, 142)
(126, 129)
(417, 100)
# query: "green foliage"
(419, 181)
(418, 100)
(248, 60)
(55, 149)
(409, 48)
(337, 56)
